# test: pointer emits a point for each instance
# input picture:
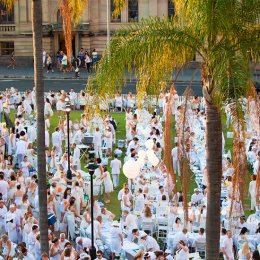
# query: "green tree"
(226, 36)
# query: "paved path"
(66, 84)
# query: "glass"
(170, 8)
(5, 16)
(114, 19)
(6, 48)
(132, 10)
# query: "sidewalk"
(26, 72)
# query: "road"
(66, 84)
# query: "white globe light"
(141, 154)
(149, 144)
(131, 169)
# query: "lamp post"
(91, 168)
(68, 109)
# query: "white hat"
(197, 189)
(12, 206)
(115, 224)
(142, 234)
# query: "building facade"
(16, 32)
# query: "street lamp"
(91, 168)
(68, 109)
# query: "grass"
(114, 205)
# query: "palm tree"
(39, 86)
(226, 36)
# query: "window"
(6, 48)
(170, 8)
(132, 10)
(6, 17)
(114, 19)
(59, 17)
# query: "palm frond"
(152, 49)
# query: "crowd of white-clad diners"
(151, 224)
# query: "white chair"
(200, 247)
(148, 226)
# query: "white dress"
(182, 255)
(116, 245)
(71, 223)
(5, 249)
(109, 140)
(108, 183)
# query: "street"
(80, 84)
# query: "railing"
(7, 28)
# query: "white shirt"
(21, 147)
(151, 244)
(228, 247)
(197, 198)
(97, 139)
(56, 139)
(115, 166)
(4, 188)
(175, 153)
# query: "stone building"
(16, 32)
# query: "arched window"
(59, 17)
(6, 17)
(116, 19)
(132, 10)
(170, 8)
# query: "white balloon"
(141, 154)
(149, 144)
(131, 169)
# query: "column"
(153, 7)
(76, 43)
(162, 8)
(143, 9)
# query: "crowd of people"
(83, 59)
(151, 224)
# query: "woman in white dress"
(116, 239)
(55, 252)
(12, 142)
(8, 247)
(109, 141)
(107, 183)
(125, 203)
(47, 108)
(71, 215)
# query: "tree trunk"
(214, 173)
(39, 87)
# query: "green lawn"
(114, 205)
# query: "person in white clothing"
(197, 197)
(32, 238)
(79, 135)
(76, 156)
(227, 249)
(150, 244)
(56, 140)
(4, 186)
(175, 159)
(44, 55)
(97, 143)
(3, 211)
(252, 190)
(115, 166)
(21, 149)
